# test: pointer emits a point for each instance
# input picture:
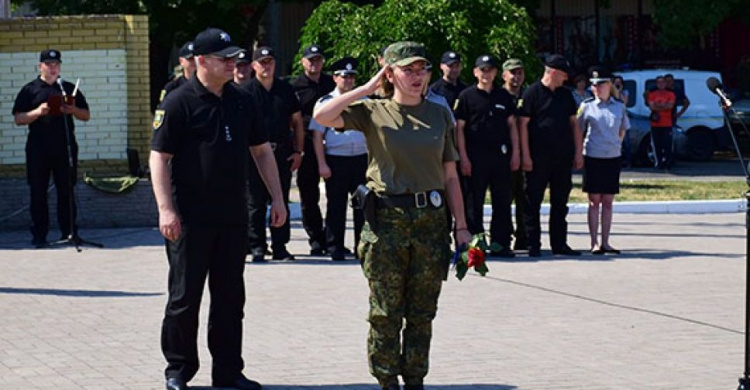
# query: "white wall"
(103, 82)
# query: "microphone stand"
(73, 238)
(745, 380)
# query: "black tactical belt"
(433, 199)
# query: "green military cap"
(512, 63)
(405, 53)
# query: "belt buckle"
(420, 200)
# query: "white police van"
(699, 131)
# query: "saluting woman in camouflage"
(405, 244)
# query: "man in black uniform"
(243, 71)
(513, 78)
(281, 113)
(449, 86)
(488, 148)
(40, 105)
(309, 87)
(188, 68)
(551, 146)
(198, 161)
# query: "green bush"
(471, 28)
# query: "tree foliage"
(681, 22)
(471, 28)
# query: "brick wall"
(110, 56)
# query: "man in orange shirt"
(661, 101)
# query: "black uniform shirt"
(449, 91)
(48, 130)
(208, 137)
(486, 116)
(171, 85)
(549, 118)
(277, 106)
(309, 92)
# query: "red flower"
(476, 257)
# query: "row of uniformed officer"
(185, 56)
(199, 160)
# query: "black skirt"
(601, 175)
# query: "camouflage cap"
(404, 53)
(512, 63)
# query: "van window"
(630, 86)
(679, 85)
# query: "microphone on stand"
(714, 85)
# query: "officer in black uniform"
(488, 149)
(188, 68)
(202, 133)
(243, 71)
(551, 147)
(449, 86)
(283, 121)
(310, 87)
(40, 105)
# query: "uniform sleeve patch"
(163, 93)
(158, 119)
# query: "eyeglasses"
(223, 59)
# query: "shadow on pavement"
(633, 254)
(76, 293)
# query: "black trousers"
(219, 253)
(519, 198)
(257, 204)
(308, 179)
(346, 174)
(40, 163)
(489, 169)
(661, 138)
(557, 173)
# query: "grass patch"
(662, 190)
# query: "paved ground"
(668, 313)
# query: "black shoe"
(241, 383)
(338, 255)
(282, 254)
(566, 251)
(390, 387)
(38, 242)
(535, 252)
(259, 259)
(519, 246)
(176, 384)
(504, 253)
(413, 387)
(317, 252)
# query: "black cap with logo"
(263, 52)
(243, 57)
(186, 51)
(50, 55)
(450, 57)
(312, 51)
(598, 75)
(215, 42)
(344, 66)
(486, 60)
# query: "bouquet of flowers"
(473, 256)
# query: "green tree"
(682, 22)
(471, 28)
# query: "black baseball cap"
(450, 57)
(263, 52)
(486, 60)
(556, 61)
(216, 42)
(50, 55)
(344, 66)
(312, 51)
(598, 75)
(186, 51)
(243, 57)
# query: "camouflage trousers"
(405, 258)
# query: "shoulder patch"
(580, 109)
(588, 100)
(158, 119)
(455, 105)
(163, 93)
(520, 102)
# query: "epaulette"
(588, 100)
(324, 98)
